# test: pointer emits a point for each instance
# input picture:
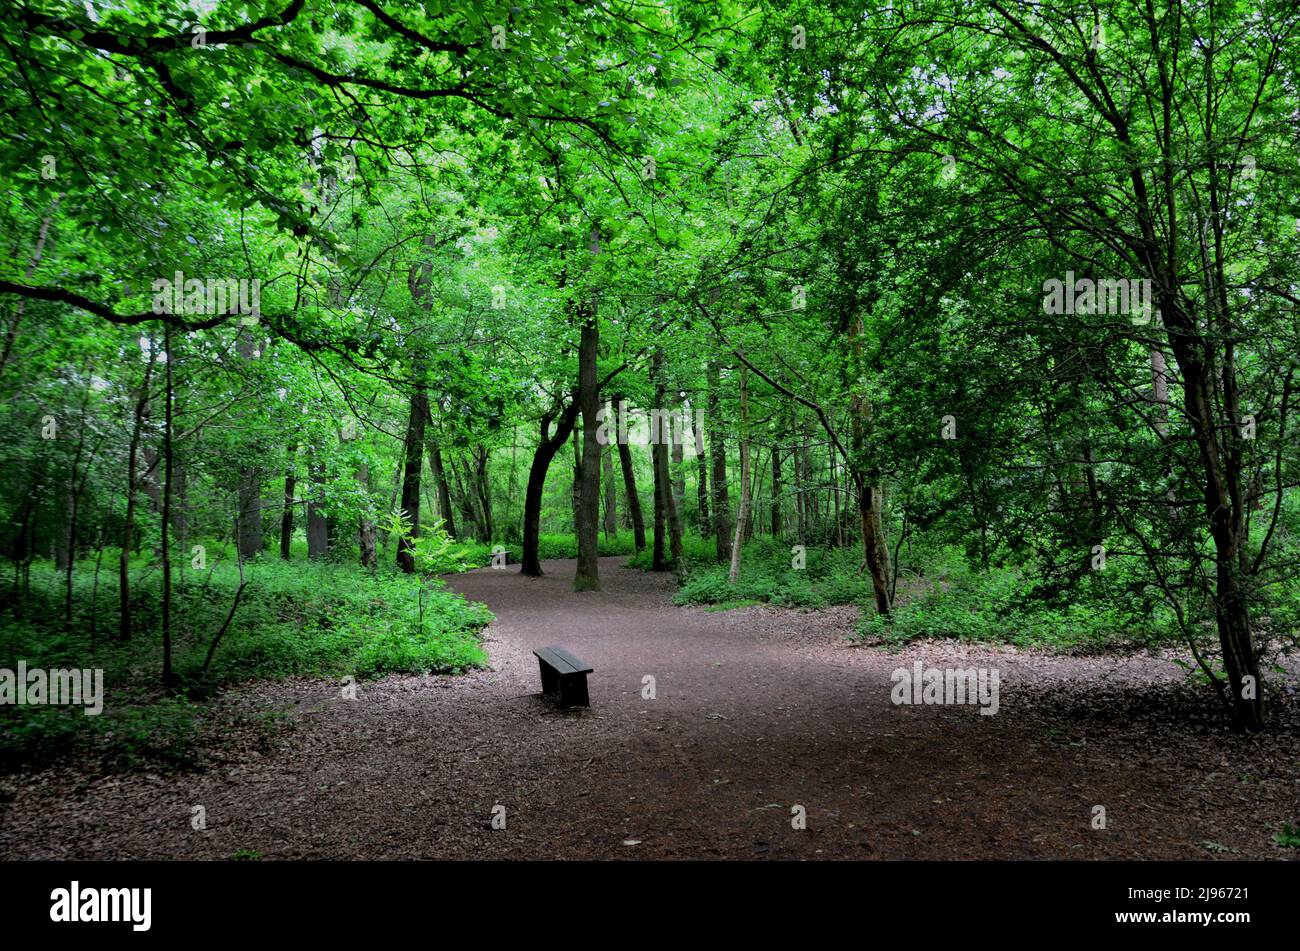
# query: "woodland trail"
(756, 710)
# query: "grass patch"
(295, 619)
(732, 605)
(950, 599)
(767, 576)
(1289, 837)
(467, 555)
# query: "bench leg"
(573, 691)
(550, 678)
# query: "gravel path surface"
(756, 711)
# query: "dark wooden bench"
(564, 674)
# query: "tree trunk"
(812, 511)
(74, 507)
(468, 511)
(366, 530)
(611, 489)
(587, 577)
(1224, 505)
(672, 516)
(575, 487)
(411, 478)
(94, 586)
(630, 493)
(167, 510)
(318, 535)
(776, 487)
(659, 559)
(678, 472)
(833, 469)
(250, 476)
(286, 515)
(873, 545)
(702, 478)
(1160, 390)
(800, 496)
(250, 511)
(548, 445)
(444, 491)
(180, 501)
(758, 474)
(661, 438)
(483, 487)
(870, 500)
(742, 512)
(128, 525)
(149, 483)
(718, 449)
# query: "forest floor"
(756, 710)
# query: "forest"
(354, 349)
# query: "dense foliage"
(978, 314)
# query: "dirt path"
(756, 711)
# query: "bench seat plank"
(562, 660)
(575, 666)
(563, 674)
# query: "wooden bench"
(564, 674)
